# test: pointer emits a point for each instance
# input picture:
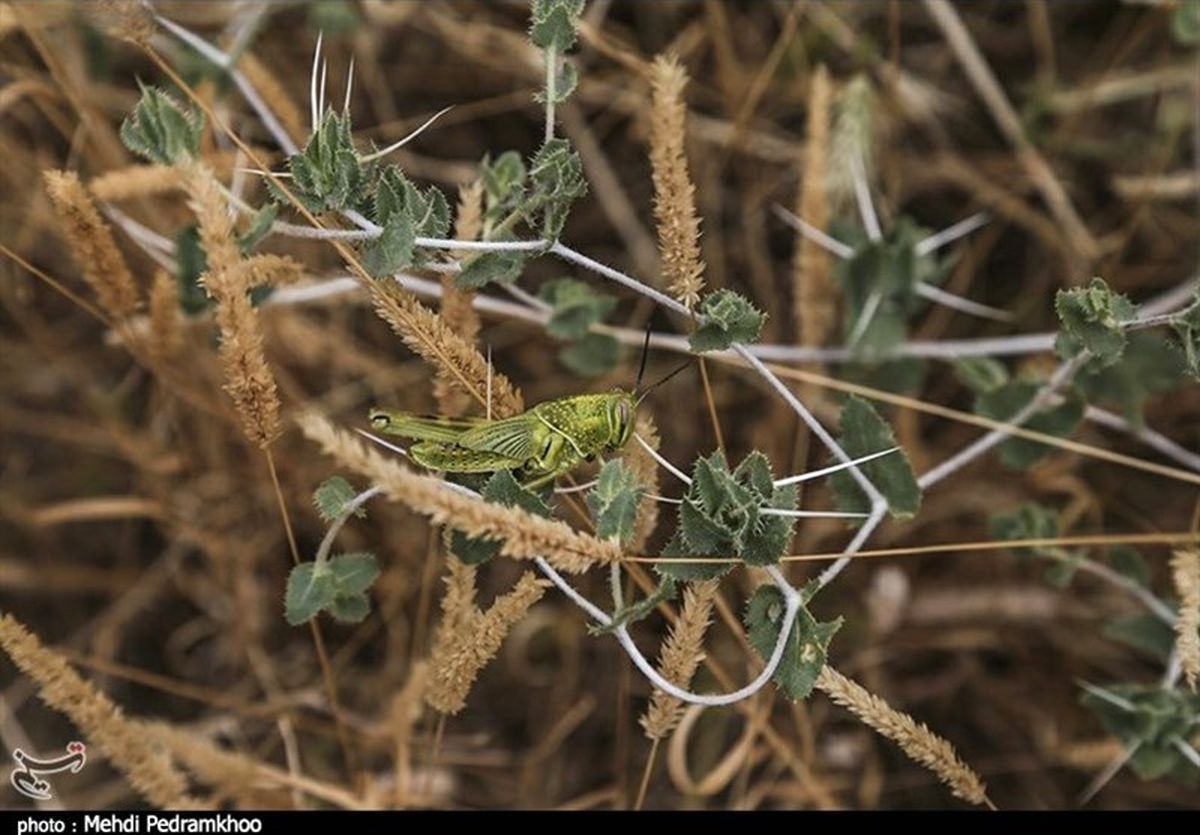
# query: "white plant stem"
(336, 526)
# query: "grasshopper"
(541, 444)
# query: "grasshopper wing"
(422, 427)
(515, 438)
(455, 459)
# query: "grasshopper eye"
(380, 420)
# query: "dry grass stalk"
(166, 323)
(915, 739)
(407, 707)
(435, 341)
(645, 468)
(135, 181)
(270, 269)
(274, 94)
(248, 378)
(92, 244)
(853, 137)
(814, 293)
(126, 19)
(681, 655)
(1185, 569)
(232, 773)
(123, 741)
(468, 638)
(674, 193)
(458, 310)
(523, 535)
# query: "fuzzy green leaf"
(1130, 562)
(353, 573)
(350, 608)
(806, 650)
(332, 498)
(1148, 719)
(1092, 318)
(728, 317)
(576, 307)
(1143, 632)
(556, 182)
(393, 249)
(190, 263)
(614, 501)
(1185, 22)
(488, 267)
(980, 374)
(553, 22)
(688, 571)
(879, 284)
(1003, 403)
(865, 432)
(1187, 328)
(333, 17)
(1149, 366)
(161, 130)
(1029, 521)
(501, 488)
(260, 225)
(328, 174)
(595, 355)
(309, 590)
(503, 185)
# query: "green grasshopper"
(540, 444)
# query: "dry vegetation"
(164, 422)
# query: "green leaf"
(576, 307)
(1029, 521)
(260, 225)
(427, 210)
(353, 573)
(879, 285)
(503, 186)
(634, 612)
(865, 432)
(332, 498)
(728, 317)
(333, 17)
(1142, 632)
(1187, 328)
(556, 182)
(488, 267)
(806, 650)
(688, 571)
(1003, 403)
(190, 263)
(161, 130)
(328, 174)
(614, 501)
(553, 22)
(980, 374)
(352, 608)
(1093, 319)
(595, 355)
(1149, 366)
(309, 590)
(1148, 720)
(1185, 22)
(502, 488)
(1130, 562)
(903, 375)
(393, 249)
(722, 511)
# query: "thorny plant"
(727, 514)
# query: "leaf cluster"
(728, 317)
(575, 308)
(721, 515)
(161, 130)
(1149, 721)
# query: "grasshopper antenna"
(659, 382)
(642, 367)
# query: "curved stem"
(351, 508)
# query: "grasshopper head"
(622, 413)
